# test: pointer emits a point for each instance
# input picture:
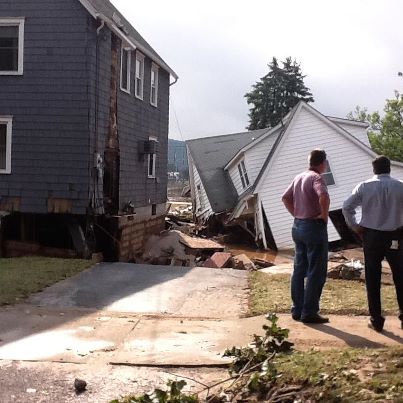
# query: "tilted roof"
(104, 8)
(211, 155)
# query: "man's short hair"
(381, 165)
(316, 157)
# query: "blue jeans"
(310, 263)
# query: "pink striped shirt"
(304, 193)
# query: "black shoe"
(315, 319)
(296, 317)
(376, 325)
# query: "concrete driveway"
(134, 288)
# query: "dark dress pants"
(377, 246)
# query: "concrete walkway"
(126, 316)
(157, 315)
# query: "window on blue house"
(11, 46)
(5, 144)
(154, 85)
(125, 65)
(139, 82)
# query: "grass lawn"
(271, 293)
(350, 375)
(20, 277)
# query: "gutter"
(134, 45)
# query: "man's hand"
(359, 230)
(321, 217)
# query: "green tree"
(275, 94)
(386, 133)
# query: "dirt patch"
(32, 382)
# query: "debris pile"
(353, 270)
(178, 249)
(179, 211)
(175, 248)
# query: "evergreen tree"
(276, 94)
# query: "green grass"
(351, 375)
(271, 293)
(20, 277)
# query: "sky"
(349, 50)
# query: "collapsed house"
(84, 113)
(239, 178)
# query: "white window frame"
(243, 174)
(327, 172)
(154, 156)
(139, 77)
(128, 67)
(155, 70)
(12, 22)
(8, 121)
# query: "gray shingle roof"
(211, 155)
(106, 8)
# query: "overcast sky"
(350, 51)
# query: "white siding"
(257, 155)
(358, 132)
(397, 172)
(349, 163)
(201, 202)
(254, 159)
(236, 178)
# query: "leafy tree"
(386, 133)
(362, 115)
(276, 94)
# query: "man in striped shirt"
(307, 200)
(381, 230)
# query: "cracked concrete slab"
(180, 342)
(124, 287)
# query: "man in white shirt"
(381, 229)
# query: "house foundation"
(118, 238)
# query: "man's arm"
(288, 199)
(324, 202)
(349, 209)
(289, 205)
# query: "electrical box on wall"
(147, 147)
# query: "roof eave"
(130, 41)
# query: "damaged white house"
(240, 177)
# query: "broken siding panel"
(202, 204)
(349, 163)
(49, 101)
